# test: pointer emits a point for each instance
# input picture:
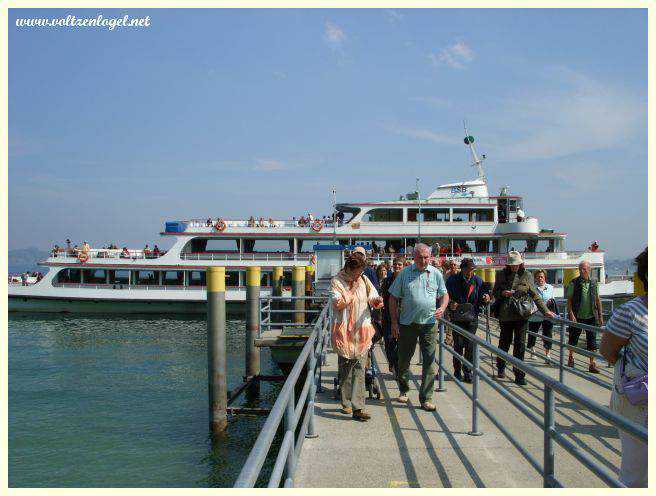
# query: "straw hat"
(514, 258)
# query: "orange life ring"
(83, 257)
(317, 225)
(220, 225)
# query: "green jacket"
(520, 282)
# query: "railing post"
(549, 422)
(488, 337)
(561, 358)
(312, 365)
(475, 379)
(289, 426)
(440, 360)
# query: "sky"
(233, 113)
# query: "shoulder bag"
(635, 388)
(465, 312)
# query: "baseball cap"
(360, 249)
(467, 263)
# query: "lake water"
(106, 401)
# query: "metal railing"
(551, 386)
(289, 412)
(272, 257)
(561, 326)
(99, 253)
(275, 311)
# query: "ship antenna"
(478, 163)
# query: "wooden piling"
(253, 282)
(298, 289)
(216, 349)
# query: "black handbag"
(522, 306)
(465, 313)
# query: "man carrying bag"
(466, 296)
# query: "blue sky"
(235, 113)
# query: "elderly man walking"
(418, 287)
(583, 306)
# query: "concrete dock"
(405, 446)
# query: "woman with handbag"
(536, 321)
(514, 294)
(352, 332)
(624, 344)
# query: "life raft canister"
(220, 225)
(317, 225)
(83, 257)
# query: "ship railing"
(551, 387)
(269, 257)
(620, 277)
(107, 253)
(295, 416)
(265, 224)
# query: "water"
(121, 402)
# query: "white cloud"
(269, 165)
(573, 114)
(393, 16)
(432, 101)
(457, 55)
(421, 134)
(333, 35)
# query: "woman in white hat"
(514, 282)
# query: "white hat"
(514, 258)
(360, 249)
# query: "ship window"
(473, 215)
(232, 278)
(429, 214)
(383, 215)
(196, 278)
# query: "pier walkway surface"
(405, 446)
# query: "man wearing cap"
(514, 281)
(418, 287)
(466, 296)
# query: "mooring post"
(216, 349)
(298, 289)
(253, 281)
(277, 281)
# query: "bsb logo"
(459, 190)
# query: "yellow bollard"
(638, 287)
(276, 283)
(480, 273)
(491, 276)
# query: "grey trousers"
(351, 381)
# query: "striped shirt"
(629, 321)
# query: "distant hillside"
(620, 267)
(25, 259)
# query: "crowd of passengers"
(103, 252)
(400, 303)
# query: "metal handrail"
(286, 409)
(551, 386)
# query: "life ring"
(317, 225)
(83, 257)
(220, 225)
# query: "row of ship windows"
(430, 215)
(150, 277)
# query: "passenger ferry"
(462, 217)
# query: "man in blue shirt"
(418, 287)
(465, 291)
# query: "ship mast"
(478, 163)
